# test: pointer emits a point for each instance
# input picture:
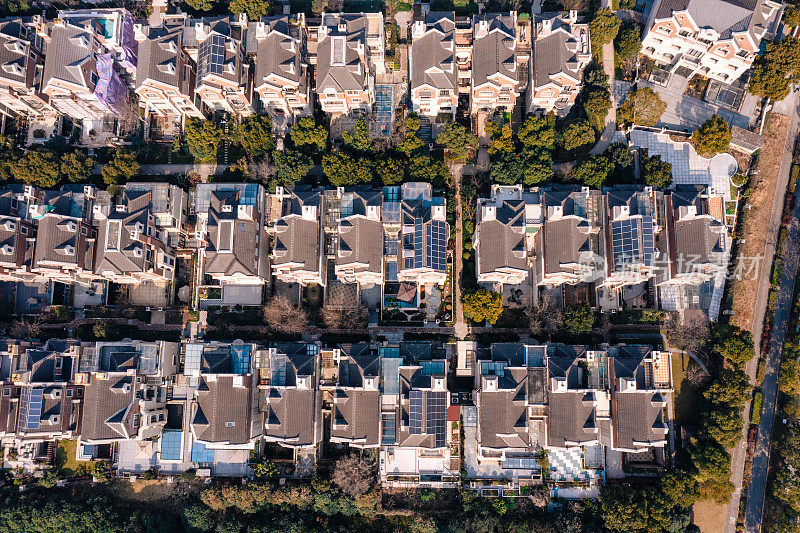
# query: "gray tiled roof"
(13, 30)
(297, 238)
(117, 250)
(71, 54)
(724, 16)
(433, 59)
(279, 52)
(493, 48)
(571, 419)
(54, 233)
(502, 240)
(233, 240)
(351, 74)
(555, 52)
(502, 414)
(223, 410)
(104, 404)
(161, 58)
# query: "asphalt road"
(760, 469)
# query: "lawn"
(66, 458)
(686, 395)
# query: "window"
(161, 418)
(695, 53)
(425, 94)
(664, 29)
(94, 78)
(7, 391)
(153, 419)
(229, 424)
(69, 393)
(743, 53)
(23, 230)
(83, 230)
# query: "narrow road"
(611, 117)
(739, 453)
(760, 469)
(460, 327)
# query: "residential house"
(166, 78)
(114, 28)
(717, 39)
(41, 403)
(561, 50)
(125, 390)
(17, 233)
(224, 82)
(223, 409)
(699, 249)
(297, 256)
(495, 77)
(416, 435)
(423, 236)
(356, 400)
(359, 242)
(432, 60)
(232, 255)
(281, 73)
(501, 240)
(292, 416)
(570, 244)
(79, 76)
(64, 249)
(169, 204)
(634, 222)
(131, 249)
(348, 51)
(641, 382)
(21, 65)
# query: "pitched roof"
(162, 58)
(278, 51)
(724, 16)
(297, 237)
(493, 48)
(340, 66)
(502, 239)
(233, 236)
(105, 404)
(502, 414)
(223, 410)
(123, 235)
(556, 50)
(71, 54)
(433, 60)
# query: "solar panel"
(415, 412)
(418, 247)
(389, 430)
(34, 408)
(212, 55)
(436, 418)
(436, 247)
(648, 245)
(625, 242)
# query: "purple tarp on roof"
(110, 89)
(130, 46)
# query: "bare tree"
(698, 377)
(344, 318)
(25, 328)
(691, 334)
(282, 315)
(355, 475)
(544, 316)
(129, 115)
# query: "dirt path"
(461, 328)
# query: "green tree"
(101, 471)
(38, 167)
(621, 158)
(122, 167)
(656, 172)
(291, 166)
(713, 137)
(483, 304)
(791, 17)
(305, 134)
(642, 106)
(731, 387)
(776, 68)
(594, 75)
(255, 9)
(578, 136)
(578, 319)
(201, 5)
(593, 171)
(538, 167)
(104, 330)
(501, 138)
(459, 143)
(680, 487)
(13, 7)
(255, 135)
(359, 139)
(723, 423)
(628, 41)
(711, 461)
(77, 167)
(265, 469)
(423, 168)
(735, 344)
(202, 138)
(537, 132)
(604, 27)
(344, 169)
(390, 169)
(507, 169)
(789, 376)
(197, 518)
(596, 106)
(411, 142)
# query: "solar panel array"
(436, 416)
(31, 408)
(415, 413)
(625, 240)
(418, 244)
(212, 55)
(437, 245)
(648, 244)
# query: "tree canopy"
(604, 27)
(255, 9)
(410, 142)
(291, 166)
(501, 138)
(202, 137)
(642, 106)
(628, 41)
(735, 344)
(656, 172)
(459, 143)
(391, 170)
(578, 135)
(596, 105)
(77, 167)
(537, 132)
(776, 68)
(593, 171)
(359, 139)
(578, 319)
(791, 16)
(255, 135)
(424, 168)
(307, 135)
(122, 167)
(38, 167)
(345, 169)
(713, 137)
(483, 305)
